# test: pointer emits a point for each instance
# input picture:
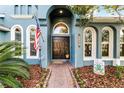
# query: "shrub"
(11, 67)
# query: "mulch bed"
(37, 78)
(87, 79)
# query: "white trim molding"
(28, 43)
(116, 62)
(13, 28)
(3, 28)
(110, 42)
(22, 16)
(105, 19)
(93, 54)
(58, 24)
(2, 15)
(121, 58)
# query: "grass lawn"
(87, 79)
(38, 76)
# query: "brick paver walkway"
(60, 76)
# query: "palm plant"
(11, 67)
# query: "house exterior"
(64, 39)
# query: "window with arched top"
(89, 44)
(107, 42)
(30, 38)
(17, 35)
(122, 42)
(60, 28)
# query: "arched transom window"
(17, 35)
(31, 52)
(60, 28)
(122, 42)
(89, 45)
(107, 42)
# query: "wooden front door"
(60, 47)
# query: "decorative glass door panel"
(60, 47)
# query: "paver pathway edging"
(74, 79)
(47, 79)
(60, 76)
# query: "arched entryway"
(59, 35)
(60, 41)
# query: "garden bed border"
(73, 77)
(47, 79)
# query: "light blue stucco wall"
(4, 36)
(78, 50)
(43, 12)
(73, 42)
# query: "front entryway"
(60, 47)
(60, 35)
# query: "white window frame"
(13, 37)
(18, 15)
(121, 57)
(61, 33)
(93, 54)
(28, 43)
(110, 57)
(29, 9)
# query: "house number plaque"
(79, 40)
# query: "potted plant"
(66, 53)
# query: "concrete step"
(57, 62)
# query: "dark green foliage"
(79, 80)
(84, 12)
(119, 71)
(11, 67)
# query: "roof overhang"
(2, 15)
(3, 28)
(107, 19)
(22, 16)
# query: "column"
(117, 47)
(98, 42)
(78, 46)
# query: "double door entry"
(60, 47)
